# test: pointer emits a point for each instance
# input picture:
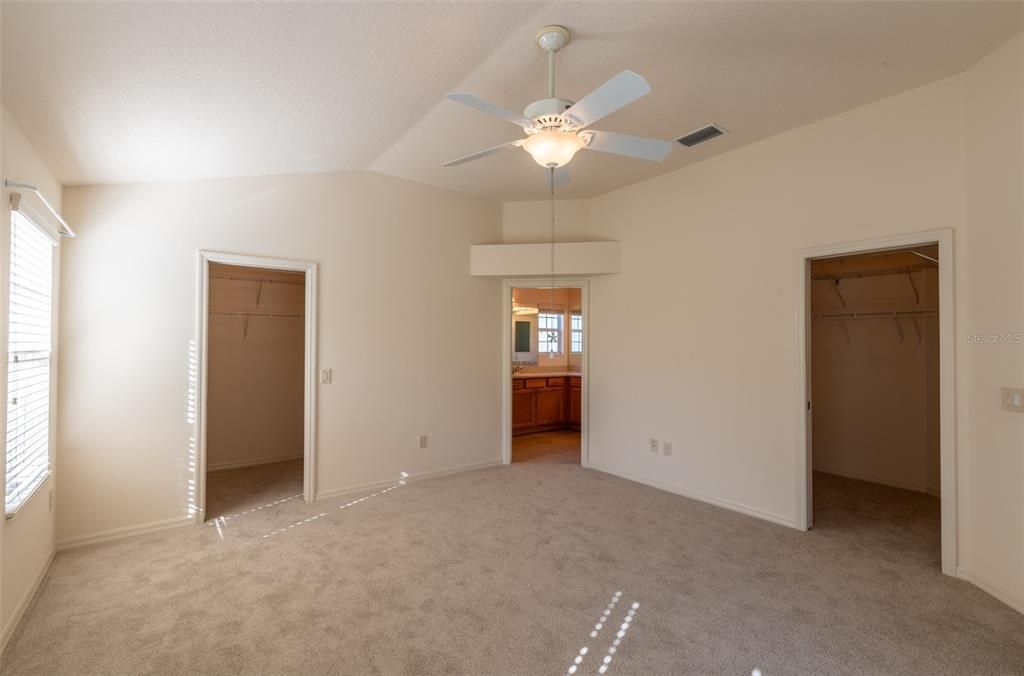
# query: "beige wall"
(395, 296)
(27, 541)
(695, 341)
(876, 397)
(990, 301)
(255, 369)
(531, 221)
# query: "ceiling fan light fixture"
(553, 148)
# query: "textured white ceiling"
(120, 92)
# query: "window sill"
(10, 515)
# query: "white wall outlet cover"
(326, 376)
(423, 441)
(666, 448)
(1013, 399)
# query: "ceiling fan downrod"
(550, 39)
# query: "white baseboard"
(175, 522)
(875, 480)
(125, 532)
(237, 464)
(24, 602)
(717, 502)
(346, 490)
(989, 587)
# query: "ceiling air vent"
(701, 135)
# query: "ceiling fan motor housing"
(547, 108)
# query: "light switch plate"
(326, 376)
(423, 441)
(654, 445)
(666, 448)
(1013, 399)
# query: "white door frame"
(310, 365)
(947, 376)
(506, 361)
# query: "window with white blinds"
(28, 360)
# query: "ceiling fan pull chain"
(552, 346)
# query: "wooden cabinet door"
(523, 405)
(549, 407)
(575, 406)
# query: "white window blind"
(28, 360)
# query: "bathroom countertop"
(552, 374)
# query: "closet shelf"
(885, 272)
(263, 280)
(892, 314)
(225, 313)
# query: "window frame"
(575, 334)
(558, 331)
(37, 478)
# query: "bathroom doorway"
(545, 388)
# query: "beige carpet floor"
(236, 490)
(557, 446)
(507, 571)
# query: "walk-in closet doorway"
(256, 383)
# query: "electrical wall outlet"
(666, 448)
(1013, 399)
(654, 445)
(423, 441)
(326, 376)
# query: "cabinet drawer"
(532, 383)
(517, 384)
(576, 382)
(556, 382)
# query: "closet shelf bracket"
(839, 293)
(917, 296)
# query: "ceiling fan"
(556, 129)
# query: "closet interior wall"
(875, 368)
(255, 366)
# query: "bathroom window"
(576, 333)
(549, 332)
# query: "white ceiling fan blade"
(483, 153)
(489, 108)
(631, 146)
(621, 90)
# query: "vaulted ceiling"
(126, 92)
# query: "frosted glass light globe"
(552, 148)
